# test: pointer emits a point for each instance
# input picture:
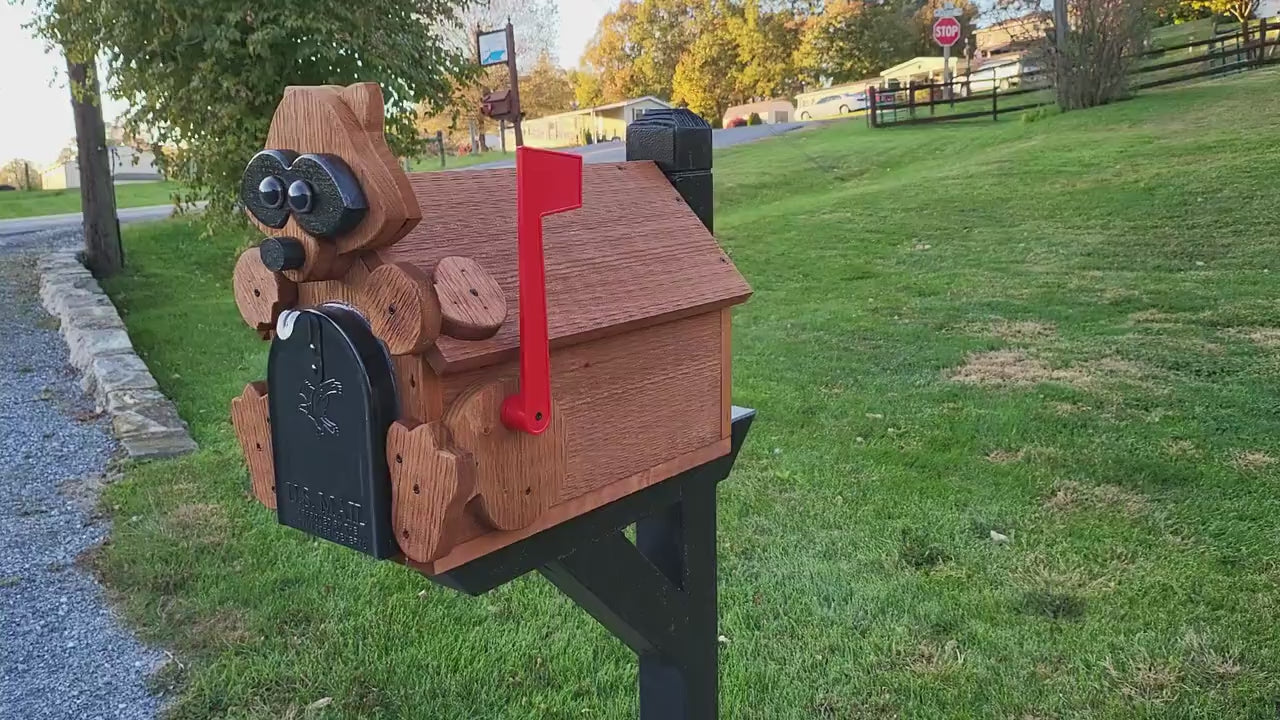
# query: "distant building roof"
(609, 106)
(1013, 33)
(923, 64)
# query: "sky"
(37, 121)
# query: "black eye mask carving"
(319, 190)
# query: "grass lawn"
(451, 161)
(1064, 332)
(17, 204)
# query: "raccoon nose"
(282, 253)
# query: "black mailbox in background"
(332, 399)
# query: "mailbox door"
(331, 396)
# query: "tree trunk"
(103, 254)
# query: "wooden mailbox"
(406, 322)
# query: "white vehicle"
(835, 105)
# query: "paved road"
(19, 226)
(617, 151)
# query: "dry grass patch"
(1181, 448)
(1011, 367)
(1152, 316)
(1018, 368)
(1069, 496)
(1147, 680)
(1021, 330)
(204, 522)
(1261, 336)
(224, 629)
(931, 659)
(1251, 460)
(1001, 457)
(1066, 408)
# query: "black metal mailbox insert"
(331, 399)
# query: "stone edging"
(144, 420)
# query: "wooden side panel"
(430, 481)
(482, 541)
(631, 401)
(419, 390)
(726, 372)
(345, 290)
(252, 423)
(633, 254)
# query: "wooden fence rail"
(904, 106)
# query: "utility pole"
(103, 252)
(515, 84)
(498, 47)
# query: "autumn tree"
(587, 91)
(1241, 10)
(21, 174)
(706, 77)
(202, 78)
(766, 47)
(856, 39)
(637, 47)
(545, 89)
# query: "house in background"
(770, 111)
(604, 122)
(923, 69)
(1012, 35)
(127, 166)
(998, 72)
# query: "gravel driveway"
(63, 653)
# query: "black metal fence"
(979, 96)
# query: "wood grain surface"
(480, 540)
(418, 389)
(345, 289)
(400, 304)
(472, 303)
(633, 255)
(518, 475)
(260, 293)
(726, 372)
(630, 401)
(347, 123)
(430, 483)
(252, 422)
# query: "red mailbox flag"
(546, 183)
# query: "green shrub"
(754, 119)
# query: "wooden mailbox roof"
(633, 255)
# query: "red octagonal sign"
(946, 31)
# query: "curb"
(142, 418)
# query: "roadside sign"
(946, 31)
(493, 47)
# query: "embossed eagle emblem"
(315, 404)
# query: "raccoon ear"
(365, 100)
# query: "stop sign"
(946, 31)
